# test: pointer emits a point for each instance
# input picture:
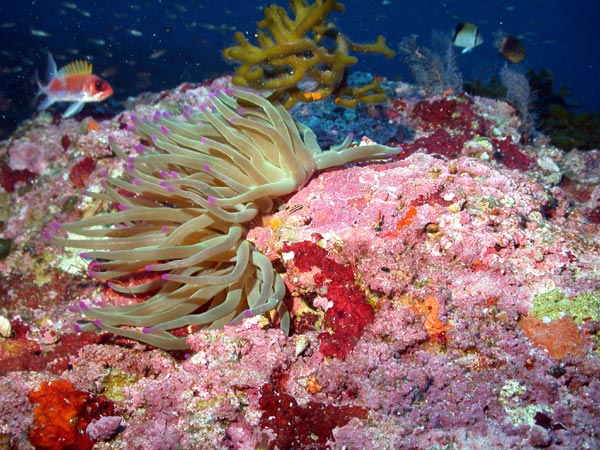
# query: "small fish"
(96, 41)
(511, 48)
(73, 83)
(466, 36)
(9, 70)
(157, 54)
(135, 33)
(40, 33)
(109, 72)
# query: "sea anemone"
(181, 208)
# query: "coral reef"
(177, 233)
(331, 123)
(295, 60)
(444, 298)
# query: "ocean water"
(156, 45)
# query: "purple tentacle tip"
(156, 116)
(98, 323)
(55, 225)
(134, 118)
(122, 207)
(203, 139)
(84, 255)
(207, 167)
(153, 138)
(232, 119)
(140, 148)
(211, 200)
(164, 229)
(77, 328)
(46, 235)
(165, 276)
(83, 306)
(164, 130)
(351, 135)
(174, 174)
(148, 330)
(111, 139)
(248, 313)
(136, 181)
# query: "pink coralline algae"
(104, 428)
(413, 284)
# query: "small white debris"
(302, 344)
(5, 327)
(287, 256)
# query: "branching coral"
(291, 57)
(181, 209)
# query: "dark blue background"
(561, 36)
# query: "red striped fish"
(73, 83)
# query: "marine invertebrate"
(182, 206)
(559, 337)
(519, 93)
(293, 59)
(434, 72)
(62, 414)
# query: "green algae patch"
(555, 304)
(115, 382)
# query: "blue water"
(154, 45)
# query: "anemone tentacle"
(183, 204)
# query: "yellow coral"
(292, 60)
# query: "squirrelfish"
(73, 83)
